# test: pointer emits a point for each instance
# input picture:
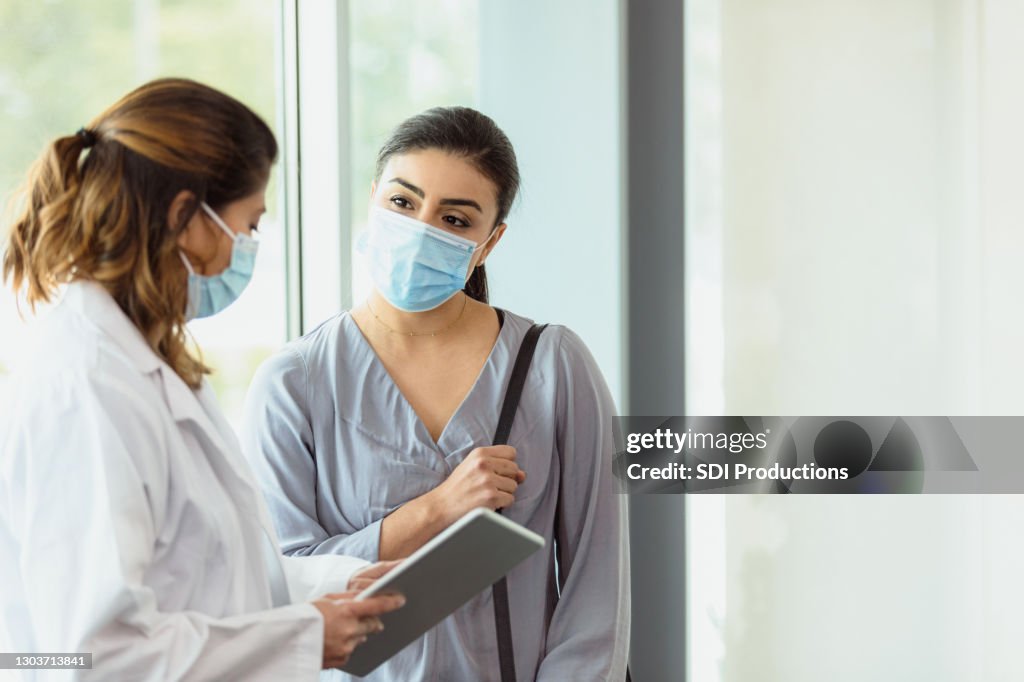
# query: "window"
(406, 57)
(63, 62)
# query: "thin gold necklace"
(465, 300)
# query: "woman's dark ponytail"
(476, 286)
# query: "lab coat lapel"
(190, 410)
(196, 413)
(187, 410)
(97, 305)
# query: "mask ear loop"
(220, 223)
(480, 246)
(184, 259)
(218, 220)
(483, 244)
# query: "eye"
(456, 221)
(400, 201)
(254, 228)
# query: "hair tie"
(88, 137)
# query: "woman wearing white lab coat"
(130, 525)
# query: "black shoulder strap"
(499, 591)
(515, 384)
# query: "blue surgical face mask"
(210, 294)
(414, 266)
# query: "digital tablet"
(467, 557)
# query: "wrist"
(435, 511)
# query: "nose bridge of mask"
(394, 219)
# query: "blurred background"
(765, 207)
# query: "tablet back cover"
(468, 557)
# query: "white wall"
(855, 234)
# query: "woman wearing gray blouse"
(372, 433)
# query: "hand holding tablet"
(464, 559)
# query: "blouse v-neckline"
(454, 424)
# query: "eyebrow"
(444, 202)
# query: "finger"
(504, 467)
(503, 499)
(374, 606)
(384, 567)
(375, 570)
(362, 628)
(371, 625)
(502, 451)
(349, 646)
(360, 584)
(504, 484)
(348, 594)
(341, 596)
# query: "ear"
(373, 188)
(183, 204)
(196, 239)
(495, 238)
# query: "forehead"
(442, 176)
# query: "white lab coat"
(130, 524)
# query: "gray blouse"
(337, 448)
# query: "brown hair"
(104, 217)
(474, 136)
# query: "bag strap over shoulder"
(515, 385)
(499, 591)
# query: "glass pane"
(406, 56)
(853, 247)
(63, 62)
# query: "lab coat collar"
(97, 305)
